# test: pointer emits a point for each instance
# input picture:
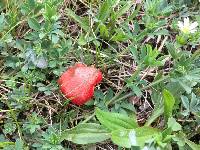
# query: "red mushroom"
(78, 83)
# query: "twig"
(162, 44)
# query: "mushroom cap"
(78, 83)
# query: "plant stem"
(88, 118)
(124, 88)
(156, 82)
(144, 88)
(125, 96)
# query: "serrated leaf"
(134, 137)
(186, 104)
(115, 121)
(86, 133)
(185, 86)
(169, 102)
(34, 24)
(9, 128)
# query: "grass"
(149, 95)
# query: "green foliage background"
(149, 97)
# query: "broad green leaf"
(145, 133)
(121, 137)
(103, 30)
(175, 126)
(179, 138)
(4, 144)
(192, 145)
(169, 102)
(133, 137)
(86, 133)
(115, 121)
(34, 24)
(166, 134)
(50, 11)
(82, 40)
(83, 24)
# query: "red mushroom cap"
(78, 83)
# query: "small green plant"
(147, 50)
